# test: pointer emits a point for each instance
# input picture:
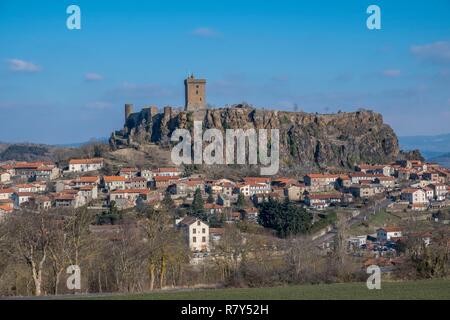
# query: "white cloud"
(91, 76)
(205, 32)
(18, 65)
(391, 73)
(437, 52)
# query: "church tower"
(195, 95)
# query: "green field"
(425, 289)
(378, 220)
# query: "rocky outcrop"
(307, 140)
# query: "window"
(203, 230)
(196, 92)
(194, 239)
(203, 239)
(194, 231)
(198, 223)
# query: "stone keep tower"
(195, 96)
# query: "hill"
(307, 140)
(443, 159)
(430, 146)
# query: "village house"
(440, 191)
(357, 242)
(295, 192)
(256, 180)
(130, 196)
(387, 182)
(259, 198)
(114, 182)
(250, 189)
(189, 186)
(30, 171)
(89, 192)
(414, 196)
(388, 233)
(85, 165)
(215, 234)
(162, 182)
(20, 198)
(213, 209)
(136, 183)
(362, 190)
(196, 232)
(385, 170)
(5, 177)
(358, 177)
(343, 181)
(46, 173)
(6, 193)
(8, 167)
(25, 187)
(40, 202)
(128, 172)
(147, 174)
(167, 172)
(250, 214)
(5, 209)
(322, 200)
(222, 186)
(403, 174)
(317, 181)
(224, 200)
(65, 200)
(429, 192)
(86, 181)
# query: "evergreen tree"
(240, 201)
(198, 206)
(286, 218)
(211, 198)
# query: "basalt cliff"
(307, 140)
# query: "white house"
(6, 193)
(440, 191)
(196, 232)
(84, 165)
(250, 189)
(5, 176)
(387, 233)
(114, 182)
(414, 196)
(167, 172)
(21, 197)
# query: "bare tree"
(28, 240)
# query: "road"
(364, 214)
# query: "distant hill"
(79, 144)
(26, 152)
(431, 147)
(443, 159)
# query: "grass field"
(424, 289)
(375, 221)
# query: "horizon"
(61, 86)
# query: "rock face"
(306, 140)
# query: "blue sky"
(61, 86)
